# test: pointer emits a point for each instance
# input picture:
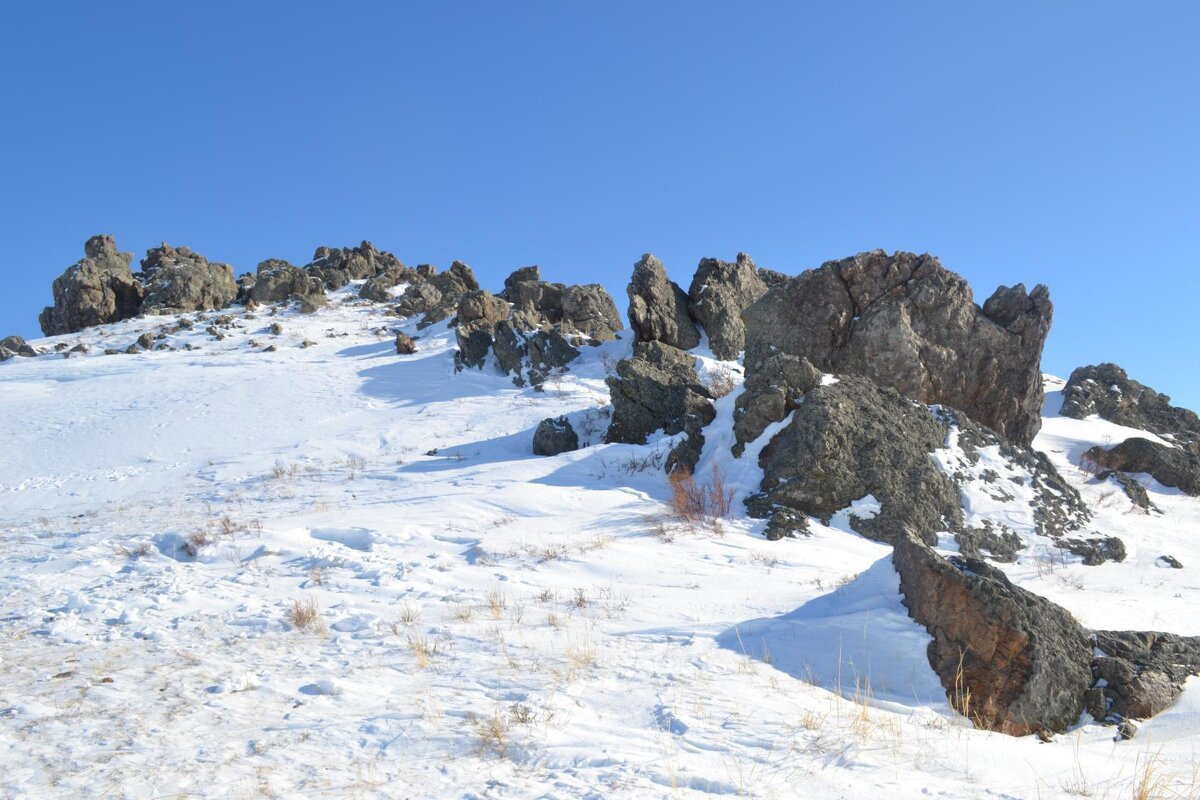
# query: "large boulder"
(658, 308)
(1170, 466)
(99, 288)
(848, 440)
(554, 436)
(1139, 673)
(1106, 390)
(589, 309)
(336, 267)
(719, 293)
(12, 346)
(659, 389)
(1011, 661)
(383, 287)
(276, 280)
(179, 279)
(478, 313)
(906, 322)
(538, 305)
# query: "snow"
(490, 623)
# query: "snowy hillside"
(328, 570)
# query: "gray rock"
(337, 267)
(277, 280)
(1139, 673)
(531, 356)
(11, 346)
(451, 285)
(772, 278)
(417, 299)
(658, 308)
(98, 289)
(1170, 561)
(554, 436)
(851, 439)
(1132, 488)
(1012, 661)
(719, 293)
(478, 313)
(310, 304)
(178, 279)
(589, 309)
(405, 346)
(379, 288)
(658, 389)
(906, 322)
(1170, 466)
(1106, 390)
(769, 394)
(276, 329)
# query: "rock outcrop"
(336, 267)
(12, 346)
(539, 305)
(775, 388)
(658, 308)
(478, 313)
(719, 293)
(1139, 673)
(179, 279)
(1170, 466)
(906, 322)
(1106, 390)
(99, 288)
(659, 389)
(1009, 660)
(276, 281)
(437, 297)
(554, 436)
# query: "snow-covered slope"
(488, 623)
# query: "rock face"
(178, 279)
(438, 296)
(478, 313)
(658, 308)
(906, 322)
(1106, 390)
(769, 394)
(1139, 673)
(337, 267)
(276, 281)
(1170, 466)
(539, 305)
(658, 389)
(1009, 660)
(848, 440)
(554, 436)
(99, 288)
(719, 293)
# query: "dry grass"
(693, 502)
(410, 614)
(305, 615)
(496, 603)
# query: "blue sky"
(1052, 142)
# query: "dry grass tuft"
(693, 502)
(305, 615)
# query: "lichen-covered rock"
(772, 391)
(719, 293)
(658, 308)
(1139, 673)
(179, 279)
(1011, 661)
(851, 439)
(276, 280)
(906, 322)
(554, 436)
(97, 289)
(1170, 466)
(1106, 390)
(659, 389)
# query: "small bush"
(692, 501)
(305, 615)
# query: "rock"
(554, 436)
(146, 340)
(277, 280)
(658, 308)
(1106, 390)
(1170, 466)
(1127, 730)
(851, 439)
(719, 293)
(276, 329)
(381, 288)
(98, 289)
(658, 389)
(12, 346)
(405, 345)
(534, 356)
(906, 322)
(417, 299)
(178, 279)
(772, 278)
(1139, 673)
(1169, 561)
(478, 313)
(1011, 661)
(590, 310)
(768, 395)
(310, 304)
(451, 285)
(337, 267)
(1132, 487)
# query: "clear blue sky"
(1054, 142)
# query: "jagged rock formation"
(1170, 466)
(1009, 660)
(97, 289)
(658, 308)
(775, 388)
(1106, 390)
(380, 288)
(719, 293)
(178, 279)
(848, 440)
(437, 297)
(658, 389)
(906, 322)
(276, 281)
(336, 267)
(1139, 673)
(478, 313)
(554, 436)
(12, 346)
